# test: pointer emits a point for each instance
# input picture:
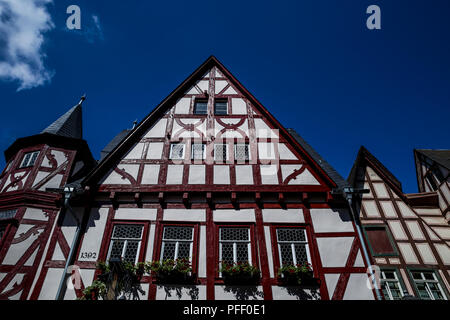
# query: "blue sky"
(313, 64)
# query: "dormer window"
(201, 106)
(29, 159)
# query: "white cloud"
(22, 27)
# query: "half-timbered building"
(408, 234)
(209, 175)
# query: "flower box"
(240, 274)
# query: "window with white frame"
(242, 152)
(390, 284)
(234, 245)
(177, 151)
(29, 159)
(292, 246)
(221, 152)
(177, 243)
(201, 107)
(221, 107)
(126, 242)
(198, 151)
(428, 285)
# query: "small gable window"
(198, 151)
(201, 107)
(380, 241)
(241, 152)
(29, 159)
(177, 151)
(220, 152)
(221, 107)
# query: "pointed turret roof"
(69, 124)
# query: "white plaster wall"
(94, 234)
(151, 237)
(405, 210)
(357, 288)
(266, 150)
(305, 178)
(294, 293)
(115, 178)
(177, 292)
(155, 150)
(426, 253)
(373, 176)
(16, 251)
(444, 252)
(196, 174)
(334, 251)
(135, 152)
(150, 174)
(331, 280)
(220, 85)
(222, 174)
(329, 220)
(230, 215)
(196, 215)
(244, 174)
(39, 177)
(174, 174)
(51, 284)
(443, 232)
(35, 214)
(263, 130)
(283, 215)
(408, 253)
(238, 106)
(380, 190)
(269, 174)
(182, 106)
(226, 292)
(158, 130)
(54, 182)
(371, 208)
(415, 230)
(388, 209)
(135, 214)
(285, 153)
(397, 230)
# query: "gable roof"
(69, 124)
(332, 173)
(442, 157)
(364, 158)
(171, 99)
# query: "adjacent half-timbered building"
(210, 176)
(408, 234)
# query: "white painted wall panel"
(230, 215)
(182, 106)
(155, 150)
(196, 174)
(150, 174)
(222, 174)
(408, 253)
(94, 234)
(135, 214)
(244, 174)
(331, 220)
(283, 215)
(158, 130)
(238, 106)
(195, 215)
(334, 251)
(357, 288)
(174, 174)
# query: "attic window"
(201, 107)
(177, 151)
(29, 159)
(221, 107)
(380, 241)
(198, 151)
(241, 152)
(220, 152)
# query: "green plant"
(298, 274)
(240, 273)
(169, 269)
(94, 291)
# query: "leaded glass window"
(177, 151)
(221, 107)
(29, 159)
(201, 107)
(242, 152)
(390, 285)
(198, 151)
(292, 246)
(428, 285)
(220, 152)
(234, 245)
(126, 242)
(177, 243)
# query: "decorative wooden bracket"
(281, 199)
(113, 199)
(161, 198)
(258, 199)
(137, 199)
(305, 198)
(234, 200)
(209, 199)
(186, 201)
